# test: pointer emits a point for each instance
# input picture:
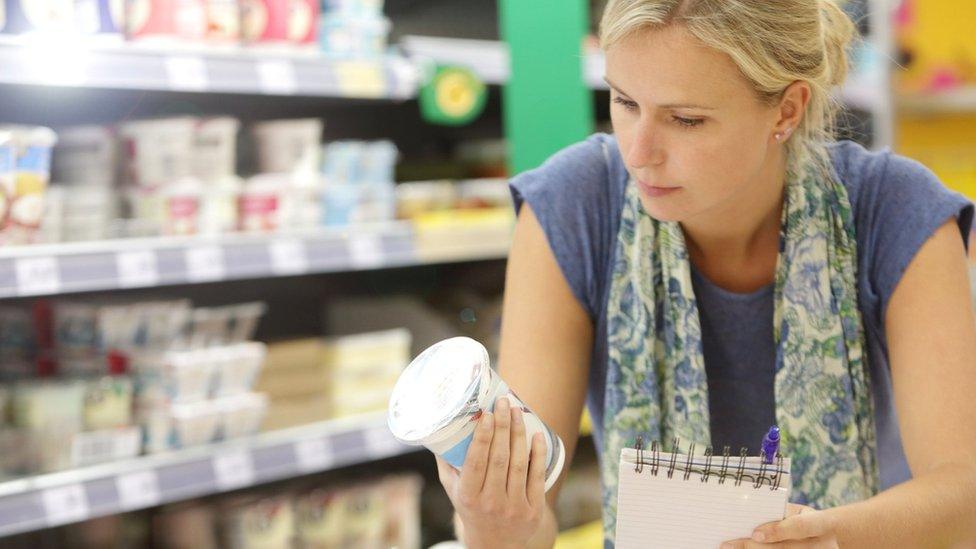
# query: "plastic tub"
(29, 16)
(241, 415)
(157, 152)
(166, 20)
(215, 149)
(441, 395)
(86, 155)
(175, 376)
(23, 188)
(288, 146)
(237, 367)
(259, 204)
(354, 37)
(353, 8)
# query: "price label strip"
(360, 79)
(187, 73)
(288, 257)
(65, 504)
(137, 269)
(138, 490)
(38, 276)
(233, 470)
(205, 264)
(277, 77)
(314, 454)
(366, 251)
(380, 443)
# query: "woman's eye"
(627, 104)
(689, 122)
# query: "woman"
(719, 266)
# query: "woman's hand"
(803, 527)
(499, 494)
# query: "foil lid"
(439, 388)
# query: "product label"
(137, 14)
(223, 19)
(48, 14)
(301, 18)
(191, 19)
(116, 11)
(254, 18)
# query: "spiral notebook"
(683, 500)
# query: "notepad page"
(655, 511)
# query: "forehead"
(670, 65)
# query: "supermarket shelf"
(73, 496)
(490, 61)
(961, 100)
(55, 269)
(119, 65)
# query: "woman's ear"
(792, 107)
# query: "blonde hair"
(774, 43)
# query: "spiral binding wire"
(731, 467)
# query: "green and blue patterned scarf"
(656, 382)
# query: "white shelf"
(961, 100)
(55, 269)
(72, 496)
(239, 70)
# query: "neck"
(737, 245)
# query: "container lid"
(436, 388)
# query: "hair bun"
(838, 33)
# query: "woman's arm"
(931, 333)
(546, 341)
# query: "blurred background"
(227, 225)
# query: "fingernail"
(758, 536)
(517, 415)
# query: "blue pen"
(770, 444)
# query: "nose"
(646, 147)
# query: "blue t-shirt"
(897, 205)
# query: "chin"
(661, 211)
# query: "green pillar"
(547, 104)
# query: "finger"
(536, 489)
(472, 476)
(807, 523)
(447, 474)
(496, 478)
(518, 466)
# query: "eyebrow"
(665, 106)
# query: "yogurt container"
(215, 148)
(45, 16)
(442, 394)
(100, 16)
(354, 37)
(157, 152)
(353, 8)
(86, 155)
(288, 146)
(166, 19)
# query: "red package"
(186, 19)
(294, 21)
(303, 21)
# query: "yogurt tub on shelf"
(441, 395)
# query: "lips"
(654, 191)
